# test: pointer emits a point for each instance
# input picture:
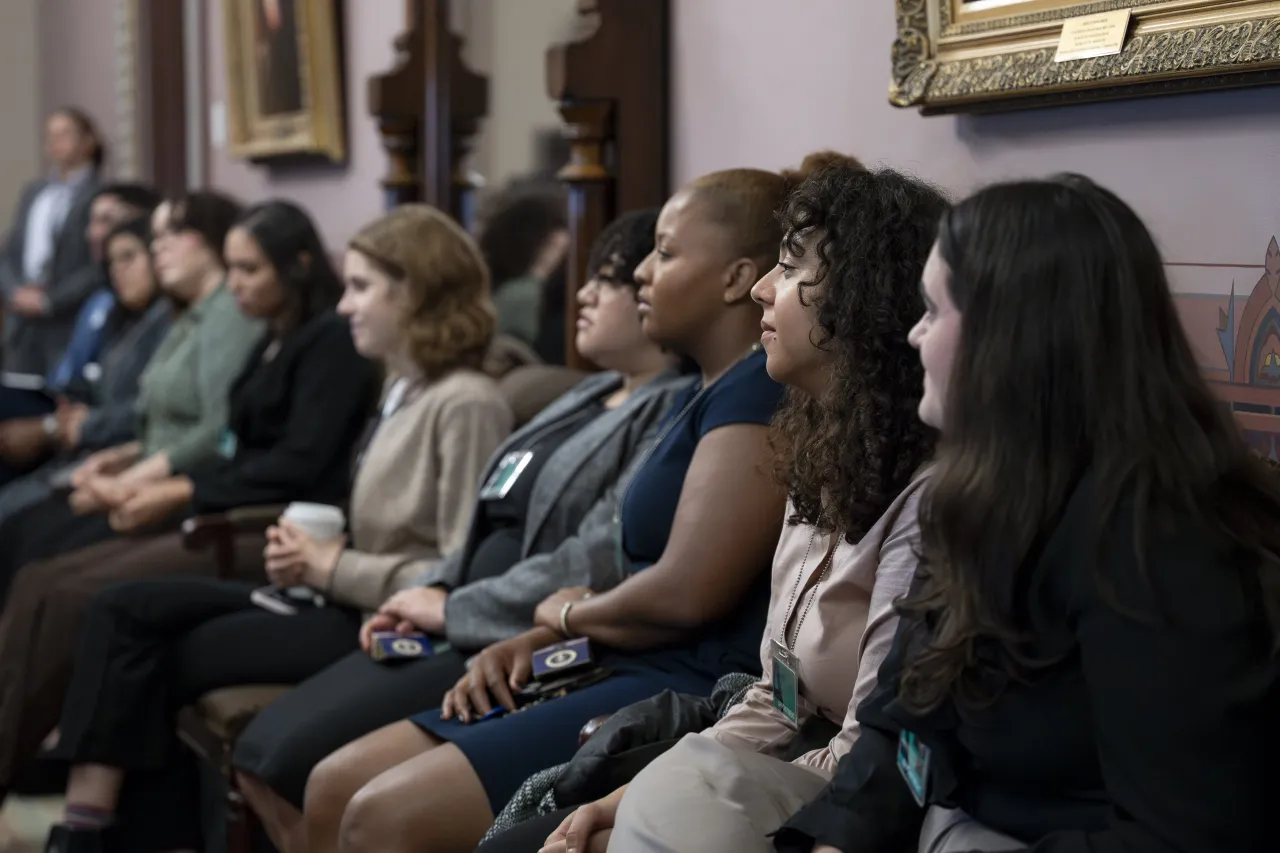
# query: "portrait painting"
(987, 55)
(285, 79)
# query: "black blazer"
(295, 420)
(1157, 732)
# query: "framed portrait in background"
(284, 79)
(988, 55)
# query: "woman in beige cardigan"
(416, 295)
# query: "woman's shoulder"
(745, 394)
(1147, 560)
(467, 393)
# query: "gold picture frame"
(284, 79)
(987, 55)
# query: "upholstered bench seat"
(225, 713)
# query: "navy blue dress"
(507, 750)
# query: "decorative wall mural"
(1246, 372)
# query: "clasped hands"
(131, 506)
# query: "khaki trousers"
(701, 795)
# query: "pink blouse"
(843, 639)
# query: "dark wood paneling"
(164, 97)
(428, 108)
(613, 90)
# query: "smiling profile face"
(937, 337)
(788, 326)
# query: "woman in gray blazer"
(544, 520)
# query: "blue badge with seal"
(561, 658)
(392, 645)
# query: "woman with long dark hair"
(1087, 661)
(295, 413)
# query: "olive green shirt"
(185, 392)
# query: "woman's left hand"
(293, 556)
(547, 614)
(588, 828)
(494, 674)
(151, 505)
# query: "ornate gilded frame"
(999, 54)
(318, 129)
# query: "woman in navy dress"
(697, 525)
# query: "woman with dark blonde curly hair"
(851, 452)
(416, 295)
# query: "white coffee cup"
(321, 522)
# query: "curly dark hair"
(844, 458)
(623, 244)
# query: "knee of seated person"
(370, 822)
(330, 786)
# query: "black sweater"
(1157, 732)
(295, 420)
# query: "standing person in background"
(46, 267)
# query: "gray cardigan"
(570, 536)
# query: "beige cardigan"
(842, 641)
(416, 487)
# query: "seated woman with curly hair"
(417, 298)
(837, 308)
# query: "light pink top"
(842, 641)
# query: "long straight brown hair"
(1071, 360)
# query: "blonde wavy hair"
(451, 318)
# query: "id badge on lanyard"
(786, 682)
(913, 763)
(504, 476)
(227, 444)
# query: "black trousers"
(527, 837)
(150, 647)
(346, 701)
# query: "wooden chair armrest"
(201, 531)
(218, 531)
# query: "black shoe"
(74, 839)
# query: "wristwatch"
(50, 424)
